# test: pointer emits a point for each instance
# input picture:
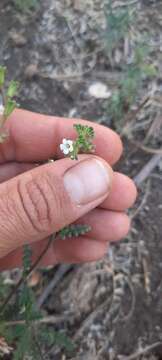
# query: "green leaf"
(52, 337)
(12, 334)
(74, 231)
(150, 70)
(141, 52)
(84, 130)
(2, 75)
(27, 303)
(116, 106)
(63, 341)
(12, 89)
(118, 23)
(84, 141)
(25, 5)
(10, 107)
(23, 344)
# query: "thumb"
(44, 200)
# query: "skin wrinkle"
(6, 230)
(50, 202)
(11, 209)
(27, 213)
(30, 188)
(47, 212)
(55, 182)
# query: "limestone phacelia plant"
(129, 52)
(7, 101)
(83, 143)
(27, 332)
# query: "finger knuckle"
(39, 200)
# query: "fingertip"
(106, 166)
(122, 227)
(109, 145)
(123, 193)
(133, 192)
(117, 148)
(128, 187)
(125, 226)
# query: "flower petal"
(66, 151)
(61, 147)
(1, 109)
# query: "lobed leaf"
(12, 89)
(2, 75)
(10, 107)
(75, 230)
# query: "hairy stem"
(37, 345)
(22, 280)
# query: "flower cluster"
(83, 143)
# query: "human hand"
(37, 201)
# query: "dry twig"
(147, 169)
(46, 320)
(140, 352)
(60, 273)
(143, 202)
(147, 149)
(90, 319)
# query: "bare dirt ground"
(112, 309)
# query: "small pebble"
(99, 90)
(17, 39)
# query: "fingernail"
(87, 181)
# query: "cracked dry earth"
(112, 308)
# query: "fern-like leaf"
(83, 143)
(74, 231)
(84, 130)
(51, 337)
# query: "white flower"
(66, 146)
(1, 109)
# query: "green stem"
(37, 344)
(21, 281)
(2, 118)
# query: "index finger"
(35, 137)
